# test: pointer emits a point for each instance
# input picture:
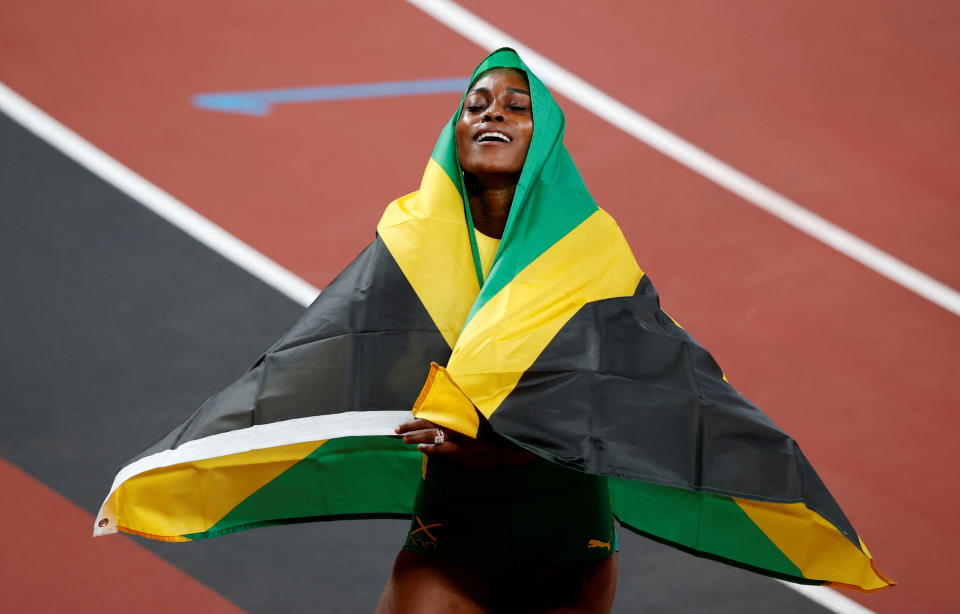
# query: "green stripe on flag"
(445, 151)
(537, 226)
(701, 522)
(374, 476)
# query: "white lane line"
(152, 197)
(626, 119)
(828, 598)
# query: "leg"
(420, 584)
(569, 588)
(599, 586)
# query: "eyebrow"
(509, 89)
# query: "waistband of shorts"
(502, 482)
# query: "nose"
(493, 113)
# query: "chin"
(498, 167)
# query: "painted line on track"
(163, 204)
(828, 598)
(626, 119)
(261, 102)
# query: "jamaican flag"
(561, 347)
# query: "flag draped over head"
(560, 347)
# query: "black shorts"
(502, 519)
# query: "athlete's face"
(495, 125)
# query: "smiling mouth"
(492, 137)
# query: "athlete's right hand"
(423, 433)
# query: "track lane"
(846, 108)
(272, 176)
(117, 325)
(63, 571)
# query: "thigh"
(586, 587)
(420, 584)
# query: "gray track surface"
(116, 325)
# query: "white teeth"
(490, 136)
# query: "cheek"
(461, 132)
(463, 140)
(526, 148)
(528, 131)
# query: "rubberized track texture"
(115, 324)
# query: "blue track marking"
(260, 102)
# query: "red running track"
(847, 109)
(51, 564)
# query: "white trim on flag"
(258, 437)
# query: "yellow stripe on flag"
(814, 545)
(443, 402)
(169, 502)
(427, 235)
(505, 337)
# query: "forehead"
(498, 79)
